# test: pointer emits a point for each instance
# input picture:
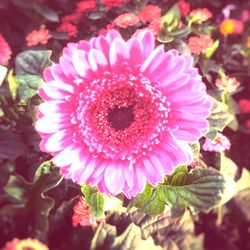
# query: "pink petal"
(97, 61)
(147, 41)
(114, 178)
(112, 35)
(118, 53)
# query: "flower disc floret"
(120, 113)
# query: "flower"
(5, 51)
(149, 13)
(245, 15)
(107, 29)
(69, 28)
(126, 19)
(244, 105)
(28, 243)
(82, 215)
(230, 84)
(231, 26)
(248, 41)
(200, 15)
(184, 7)
(219, 144)
(38, 36)
(199, 44)
(85, 6)
(73, 18)
(154, 27)
(113, 3)
(120, 113)
(248, 125)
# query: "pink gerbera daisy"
(120, 113)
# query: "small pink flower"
(82, 215)
(200, 15)
(184, 7)
(112, 3)
(69, 28)
(149, 13)
(120, 113)
(85, 6)
(126, 19)
(244, 105)
(220, 144)
(5, 51)
(38, 36)
(199, 44)
(230, 84)
(245, 16)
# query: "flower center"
(120, 118)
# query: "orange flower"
(231, 26)
(248, 41)
(149, 13)
(125, 20)
(29, 243)
(199, 44)
(38, 36)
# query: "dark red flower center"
(120, 116)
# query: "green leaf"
(34, 205)
(18, 188)
(154, 204)
(242, 202)
(11, 145)
(181, 235)
(227, 166)
(97, 204)
(32, 62)
(13, 84)
(183, 32)
(88, 191)
(162, 37)
(199, 189)
(171, 19)
(220, 116)
(148, 201)
(244, 181)
(28, 85)
(210, 51)
(46, 12)
(141, 199)
(131, 239)
(104, 234)
(196, 149)
(94, 199)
